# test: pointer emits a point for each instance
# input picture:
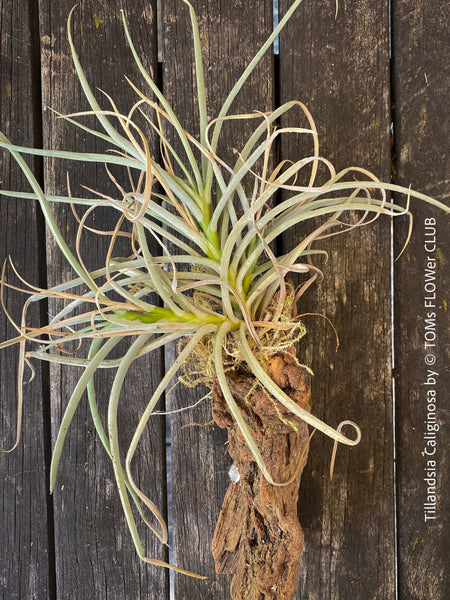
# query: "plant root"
(258, 536)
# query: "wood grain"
(94, 551)
(422, 282)
(24, 550)
(339, 67)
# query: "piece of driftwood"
(258, 536)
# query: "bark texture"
(258, 536)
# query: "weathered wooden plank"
(422, 281)
(340, 69)
(95, 556)
(231, 34)
(24, 550)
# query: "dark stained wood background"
(343, 73)
(380, 105)
(421, 80)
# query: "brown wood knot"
(258, 536)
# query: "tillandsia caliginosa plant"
(223, 295)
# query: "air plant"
(224, 295)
